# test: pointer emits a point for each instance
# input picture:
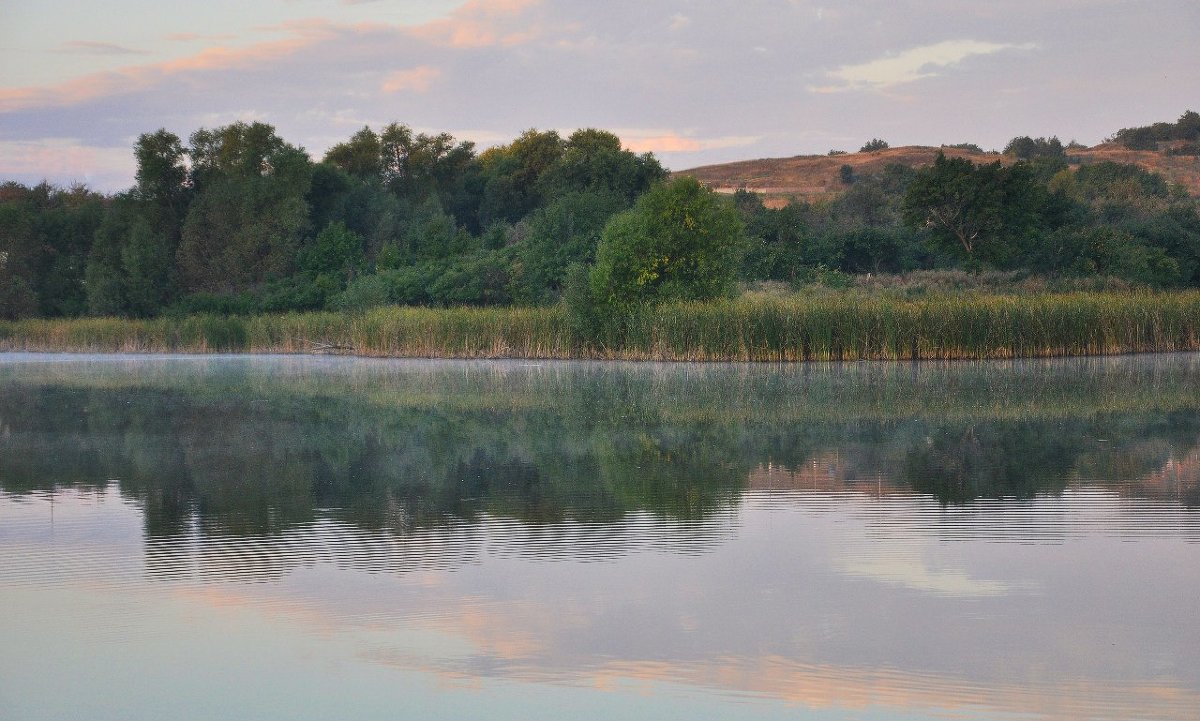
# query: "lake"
(224, 537)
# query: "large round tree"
(679, 242)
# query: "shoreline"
(836, 327)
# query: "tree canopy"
(679, 242)
(238, 220)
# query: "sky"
(694, 81)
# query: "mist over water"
(266, 537)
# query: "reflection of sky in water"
(329, 538)
(794, 600)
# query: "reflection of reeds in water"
(751, 328)
(626, 394)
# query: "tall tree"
(984, 211)
(250, 216)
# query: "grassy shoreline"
(841, 326)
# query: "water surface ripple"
(242, 537)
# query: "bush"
(874, 145)
(971, 147)
(679, 242)
(1027, 148)
(369, 291)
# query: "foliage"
(847, 325)
(565, 232)
(982, 211)
(1027, 148)
(237, 220)
(1186, 129)
(336, 251)
(971, 147)
(874, 145)
(678, 242)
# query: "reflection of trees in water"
(194, 555)
(1156, 457)
(248, 467)
(257, 453)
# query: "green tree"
(564, 232)
(679, 242)
(336, 252)
(18, 251)
(162, 173)
(359, 157)
(512, 175)
(250, 217)
(983, 211)
(593, 161)
(148, 264)
(240, 233)
(1027, 148)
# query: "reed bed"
(849, 326)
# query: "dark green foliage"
(972, 147)
(239, 233)
(1107, 251)
(985, 212)
(369, 291)
(594, 162)
(513, 173)
(148, 262)
(336, 251)
(1027, 148)
(237, 220)
(564, 232)
(585, 321)
(874, 145)
(249, 217)
(479, 279)
(1186, 129)
(1109, 183)
(18, 253)
(45, 236)
(778, 242)
(360, 157)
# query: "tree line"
(1179, 138)
(238, 220)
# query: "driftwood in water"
(324, 347)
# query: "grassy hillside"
(817, 177)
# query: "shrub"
(679, 242)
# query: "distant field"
(816, 177)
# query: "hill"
(818, 177)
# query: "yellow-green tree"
(680, 241)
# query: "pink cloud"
(141, 77)
(62, 158)
(193, 37)
(671, 142)
(418, 79)
(478, 23)
(91, 47)
(481, 23)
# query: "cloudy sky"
(695, 81)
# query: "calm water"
(243, 538)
